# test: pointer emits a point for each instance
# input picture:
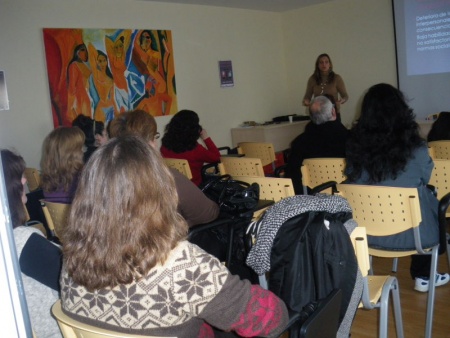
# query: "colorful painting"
(103, 72)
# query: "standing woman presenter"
(325, 81)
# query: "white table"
(280, 135)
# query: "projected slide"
(427, 30)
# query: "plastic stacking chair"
(56, 215)
(439, 149)
(262, 150)
(33, 178)
(290, 250)
(376, 289)
(316, 171)
(181, 165)
(270, 188)
(241, 166)
(72, 328)
(440, 179)
(385, 211)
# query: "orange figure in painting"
(147, 58)
(102, 86)
(116, 48)
(78, 74)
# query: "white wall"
(273, 54)
(359, 37)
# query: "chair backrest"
(439, 149)
(384, 211)
(270, 188)
(72, 328)
(241, 166)
(179, 164)
(33, 178)
(316, 171)
(359, 241)
(262, 150)
(440, 177)
(431, 152)
(56, 215)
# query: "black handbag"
(233, 197)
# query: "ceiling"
(262, 5)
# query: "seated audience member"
(440, 130)
(385, 149)
(324, 136)
(40, 260)
(94, 132)
(135, 263)
(193, 204)
(61, 163)
(180, 141)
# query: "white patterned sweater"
(176, 299)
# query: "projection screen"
(422, 33)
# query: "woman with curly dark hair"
(385, 149)
(180, 141)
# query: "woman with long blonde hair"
(61, 163)
(128, 267)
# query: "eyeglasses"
(157, 135)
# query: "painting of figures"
(102, 72)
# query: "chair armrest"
(324, 186)
(205, 226)
(228, 149)
(209, 166)
(310, 321)
(278, 170)
(433, 189)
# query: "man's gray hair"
(321, 110)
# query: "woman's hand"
(204, 134)
(306, 102)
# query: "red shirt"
(196, 157)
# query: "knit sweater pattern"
(173, 299)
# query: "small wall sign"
(226, 74)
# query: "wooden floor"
(413, 303)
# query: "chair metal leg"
(431, 293)
(397, 309)
(263, 282)
(391, 287)
(394, 265)
(384, 307)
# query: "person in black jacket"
(440, 130)
(94, 131)
(324, 136)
